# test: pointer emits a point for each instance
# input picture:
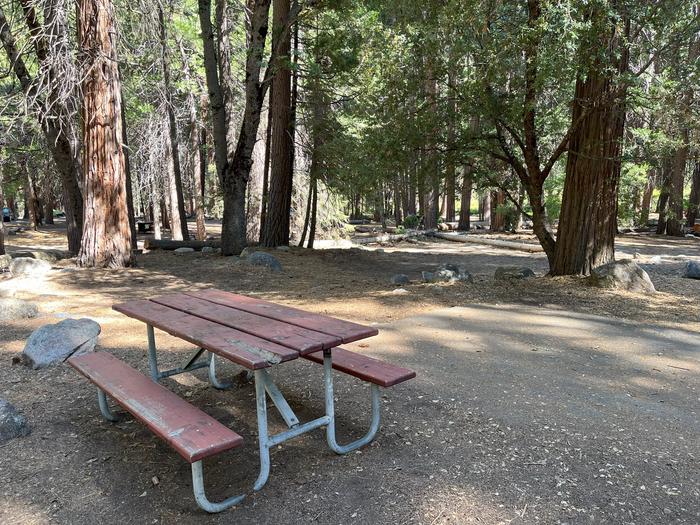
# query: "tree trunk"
(314, 213)
(280, 193)
(266, 168)
(450, 171)
(57, 126)
(432, 165)
(234, 175)
(646, 198)
(465, 200)
(588, 219)
(498, 219)
(129, 189)
(694, 200)
(178, 218)
(2, 216)
(664, 196)
(106, 236)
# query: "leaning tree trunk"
(588, 219)
(280, 191)
(106, 235)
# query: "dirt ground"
(621, 446)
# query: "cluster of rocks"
(446, 273)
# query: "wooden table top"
(250, 332)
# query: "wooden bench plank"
(345, 330)
(192, 433)
(364, 367)
(285, 334)
(239, 347)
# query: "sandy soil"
(75, 468)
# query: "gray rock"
(399, 278)
(5, 261)
(54, 343)
(692, 270)
(14, 309)
(27, 267)
(50, 256)
(456, 273)
(184, 249)
(264, 259)
(624, 275)
(247, 251)
(12, 423)
(513, 272)
(208, 249)
(283, 248)
(428, 277)
(400, 291)
(446, 275)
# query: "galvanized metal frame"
(264, 386)
(192, 363)
(200, 494)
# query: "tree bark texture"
(588, 219)
(276, 231)
(106, 236)
(465, 200)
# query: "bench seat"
(364, 367)
(192, 433)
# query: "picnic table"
(256, 334)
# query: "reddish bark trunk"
(106, 235)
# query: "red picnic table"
(250, 332)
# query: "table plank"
(295, 337)
(242, 348)
(345, 330)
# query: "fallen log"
(387, 237)
(165, 244)
(480, 239)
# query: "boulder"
(247, 251)
(208, 249)
(54, 343)
(455, 272)
(5, 261)
(183, 249)
(14, 309)
(400, 291)
(283, 248)
(513, 272)
(28, 267)
(692, 270)
(50, 256)
(428, 277)
(623, 275)
(12, 423)
(264, 259)
(399, 278)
